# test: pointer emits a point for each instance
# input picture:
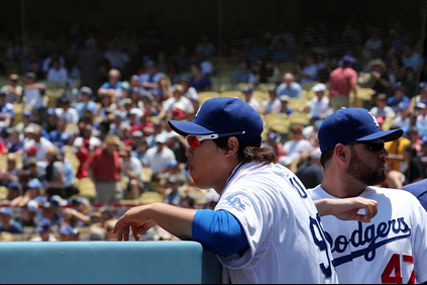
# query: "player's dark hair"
(326, 156)
(248, 153)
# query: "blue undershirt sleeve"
(220, 232)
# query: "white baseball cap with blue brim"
(224, 116)
(348, 125)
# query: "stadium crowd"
(118, 96)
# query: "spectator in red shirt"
(105, 169)
(342, 81)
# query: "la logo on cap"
(375, 119)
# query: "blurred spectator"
(158, 157)
(107, 107)
(374, 43)
(13, 89)
(113, 88)
(181, 58)
(13, 192)
(109, 226)
(395, 160)
(71, 93)
(51, 122)
(55, 173)
(45, 232)
(298, 148)
(48, 61)
(177, 98)
(7, 112)
(11, 172)
(310, 172)
(33, 94)
(56, 72)
(26, 122)
(242, 73)
(342, 81)
(36, 139)
(381, 111)
(132, 169)
(308, 73)
(148, 80)
(65, 232)
(105, 169)
(381, 82)
(272, 105)
(173, 192)
(198, 80)
(7, 223)
(255, 75)
(416, 169)
(33, 171)
(205, 47)
(402, 119)
(67, 112)
(284, 108)
(422, 96)
(421, 122)
(289, 87)
(206, 66)
(318, 106)
(398, 97)
(248, 93)
(104, 215)
(33, 192)
(270, 73)
(29, 215)
(412, 61)
(81, 211)
(13, 143)
(89, 62)
(86, 102)
(274, 142)
(87, 133)
(135, 96)
(97, 234)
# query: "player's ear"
(232, 146)
(340, 152)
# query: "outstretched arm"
(348, 208)
(178, 221)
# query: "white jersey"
(287, 242)
(392, 248)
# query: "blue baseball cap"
(224, 116)
(51, 112)
(27, 113)
(66, 230)
(43, 226)
(423, 84)
(35, 183)
(247, 89)
(348, 59)
(403, 105)
(352, 124)
(6, 211)
(13, 184)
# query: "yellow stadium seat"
(241, 86)
(3, 192)
(203, 96)
(299, 118)
(260, 96)
(150, 197)
(307, 86)
(264, 87)
(295, 103)
(232, 94)
(86, 187)
(53, 94)
(277, 122)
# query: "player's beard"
(362, 172)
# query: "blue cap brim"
(384, 135)
(189, 128)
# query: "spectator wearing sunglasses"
(354, 162)
(263, 217)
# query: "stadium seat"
(299, 118)
(277, 122)
(203, 96)
(232, 94)
(264, 87)
(3, 192)
(53, 94)
(150, 197)
(295, 103)
(307, 86)
(260, 96)
(86, 187)
(241, 86)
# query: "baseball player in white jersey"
(265, 227)
(392, 247)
